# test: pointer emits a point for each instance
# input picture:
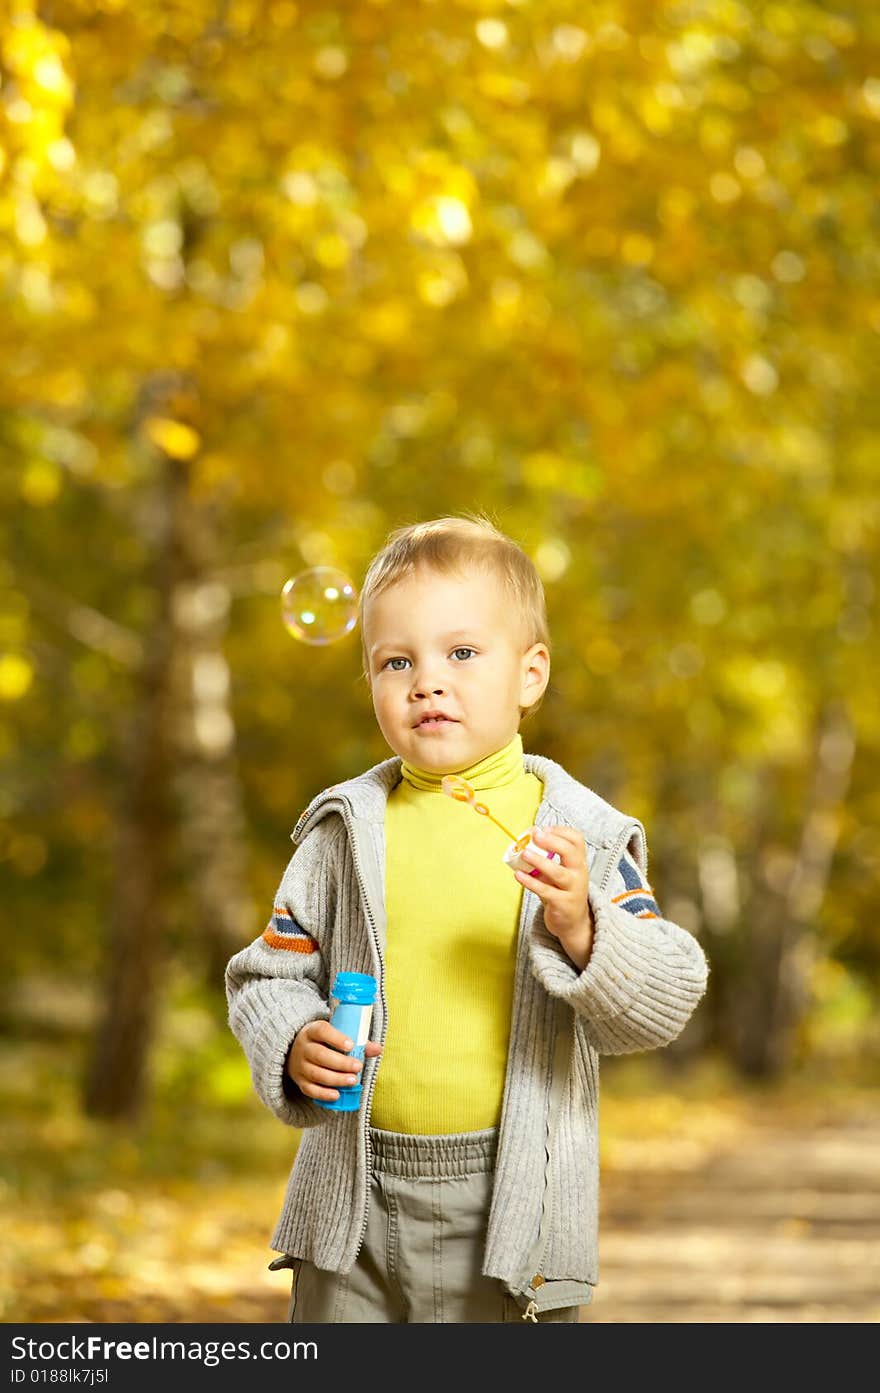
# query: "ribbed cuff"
(267, 1038)
(641, 982)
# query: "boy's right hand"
(318, 1064)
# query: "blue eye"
(389, 661)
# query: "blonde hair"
(450, 545)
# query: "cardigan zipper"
(536, 1263)
(344, 806)
(538, 1280)
(368, 1169)
(613, 859)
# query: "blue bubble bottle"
(354, 994)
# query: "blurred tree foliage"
(279, 276)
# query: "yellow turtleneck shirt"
(453, 910)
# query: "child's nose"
(424, 684)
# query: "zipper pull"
(530, 1313)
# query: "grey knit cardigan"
(637, 991)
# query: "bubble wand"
(458, 788)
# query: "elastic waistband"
(447, 1156)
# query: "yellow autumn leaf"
(173, 437)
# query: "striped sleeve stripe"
(292, 943)
(642, 890)
(637, 897)
(282, 931)
(630, 873)
(643, 907)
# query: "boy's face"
(450, 643)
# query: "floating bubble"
(319, 605)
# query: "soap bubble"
(319, 605)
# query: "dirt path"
(721, 1211)
(781, 1225)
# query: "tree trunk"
(116, 1074)
(782, 938)
(182, 744)
(212, 821)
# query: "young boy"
(466, 1186)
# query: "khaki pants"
(421, 1255)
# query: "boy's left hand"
(562, 887)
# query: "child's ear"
(537, 661)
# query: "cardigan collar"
(565, 801)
